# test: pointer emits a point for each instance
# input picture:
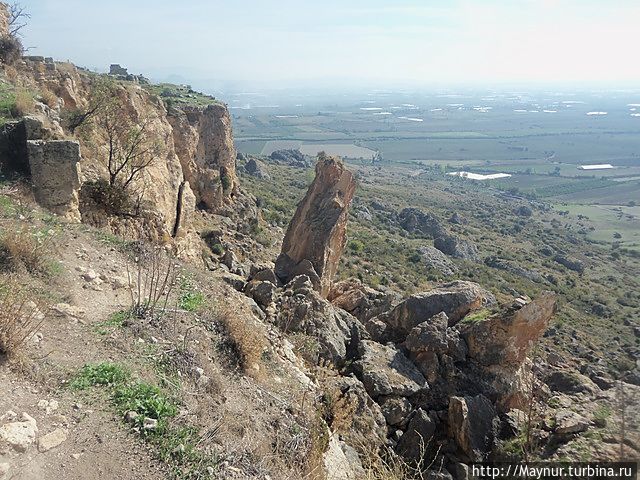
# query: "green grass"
(177, 445)
(115, 320)
(190, 299)
(103, 374)
(478, 316)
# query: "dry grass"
(23, 250)
(245, 340)
(24, 103)
(49, 98)
(20, 318)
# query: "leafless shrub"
(20, 318)
(151, 283)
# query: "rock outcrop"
(316, 236)
(455, 299)
(359, 300)
(204, 144)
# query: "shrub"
(105, 374)
(20, 318)
(225, 180)
(111, 199)
(10, 49)
(144, 399)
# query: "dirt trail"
(95, 445)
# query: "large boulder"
(303, 310)
(505, 339)
(472, 425)
(416, 221)
(416, 440)
(356, 417)
(436, 260)
(456, 247)
(293, 158)
(256, 169)
(359, 300)
(317, 232)
(385, 370)
(455, 299)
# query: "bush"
(19, 318)
(110, 199)
(225, 180)
(10, 49)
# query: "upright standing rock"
(55, 173)
(316, 235)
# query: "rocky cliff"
(193, 145)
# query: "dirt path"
(73, 439)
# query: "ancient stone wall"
(55, 174)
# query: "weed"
(478, 316)
(190, 299)
(23, 249)
(116, 319)
(146, 400)
(105, 374)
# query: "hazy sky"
(418, 42)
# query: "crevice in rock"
(176, 225)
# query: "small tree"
(124, 143)
(11, 48)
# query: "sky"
(284, 43)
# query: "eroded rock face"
(55, 174)
(385, 370)
(506, 340)
(317, 232)
(204, 144)
(455, 299)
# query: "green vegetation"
(180, 95)
(190, 299)
(174, 444)
(115, 320)
(478, 316)
(103, 374)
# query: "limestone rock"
(52, 440)
(20, 435)
(293, 158)
(570, 382)
(435, 259)
(359, 300)
(416, 221)
(505, 339)
(262, 292)
(567, 422)
(55, 173)
(471, 424)
(365, 425)
(384, 370)
(317, 232)
(302, 309)
(204, 145)
(455, 299)
(395, 409)
(456, 247)
(336, 463)
(256, 169)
